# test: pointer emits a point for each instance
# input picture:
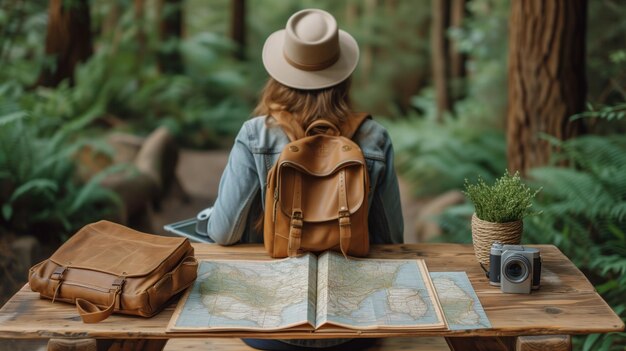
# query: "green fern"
(584, 208)
(38, 182)
(438, 157)
(609, 113)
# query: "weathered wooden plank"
(544, 342)
(90, 344)
(565, 304)
(481, 344)
(27, 316)
(72, 345)
(233, 344)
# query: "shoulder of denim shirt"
(373, 139)
(263, 138)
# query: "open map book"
(308, 292)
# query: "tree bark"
(440, 58)
(352, 12)
(139, 12)
(457, 58)
(171, 28)
(367, 49)
(238, 27)
(546, 73)
(68, 40)
(110, 21)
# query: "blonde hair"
(332, 104)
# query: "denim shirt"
(241, 193)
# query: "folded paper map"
(458, 299)
(310, 293)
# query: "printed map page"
(250, 295)
(375, 294)
(459, 301)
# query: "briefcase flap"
(117, 250)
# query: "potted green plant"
(499, 210)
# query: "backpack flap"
(316, 204)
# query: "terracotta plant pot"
(486, 233)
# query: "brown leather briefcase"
(106, 267)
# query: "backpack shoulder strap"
(295, 131)
(352, 124)
(322, 123)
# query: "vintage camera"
(514, 268)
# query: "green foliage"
(483, 37)
(40, 193)
(584, 207)
(22, 34)
(616, 112)
(507, 200)
(436, 157)
(606, 56)
(204, 105)
(583, 210)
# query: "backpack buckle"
(296, 218)
(118, 283)
(344, 217)
(58, 273)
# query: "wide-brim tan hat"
(311, 52)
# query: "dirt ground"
(199, 173)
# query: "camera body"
(514, 268)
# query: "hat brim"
(277, 66)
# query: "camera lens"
(516, 268)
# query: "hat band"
(313, 67)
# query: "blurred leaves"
(39, 190)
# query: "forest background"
(443, 76)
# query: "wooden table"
(566, 304)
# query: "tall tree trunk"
(68, 40)
(109, 30)
(546, 77)
(139, 12)
(391, 6)
(352, 12)
(367, 49)
(171, 28)
(238, 27)
(457, 58)
(440, 58)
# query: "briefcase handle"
(90, 313)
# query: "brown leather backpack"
(317, 192)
